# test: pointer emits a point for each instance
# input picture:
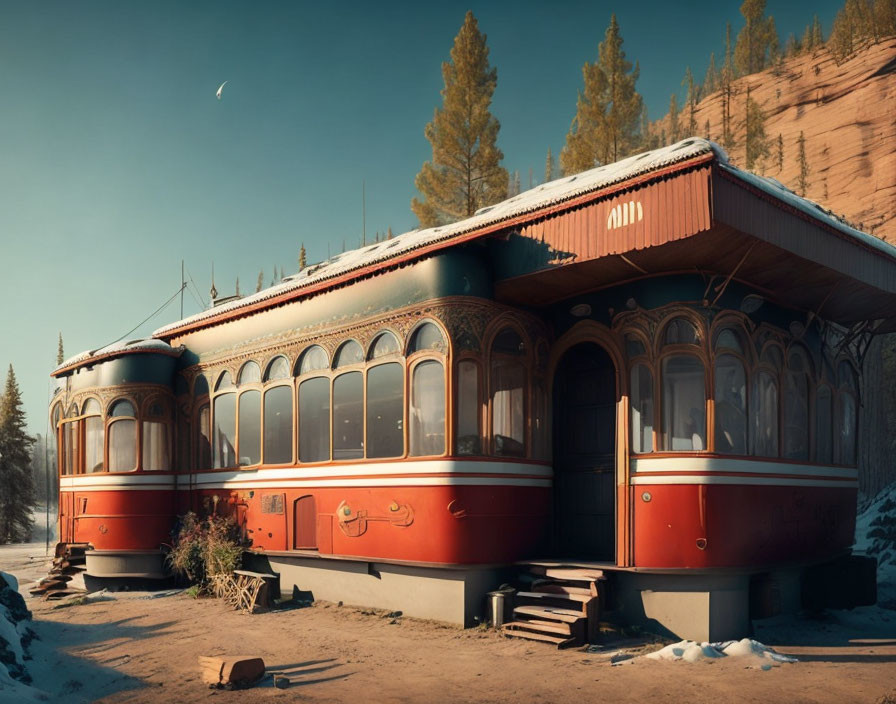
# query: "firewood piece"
(231, 671)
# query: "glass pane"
(847, 430)
(249, 374)
(224, 382)
(278, 425)
(349, 353)
(795, 401)
(385, 344)
(348, 431)
(204, 440)
(69, 449)
(508, 342)
(72, 411)
(200, 386)
(91, 407)
(846, 378)
(772, 356)
(122, 408)
(157, 409)
(225, 431)
(684, 401)
(313, 359)
(541, 449)
(634, 347)
(427, 410)
(824, 436)
(156, 450)
(681, 332)
(314, 420)
(385, 411)
(468, 409)
(427, 337)
(250, 428)
(93, 444)
(277, 369)
(765, 415)
(730, 405)
(642, 409)
(123, 446)
(729, 340)
(508, 408)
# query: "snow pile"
(753, 652)
(876, 536)
(15, 637)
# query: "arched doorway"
(585, 454)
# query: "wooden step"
(559, 641)
(554, 587)
(569, 573)
(550, 613)
(559, 628)
(581, 598)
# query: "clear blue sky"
(117, 161)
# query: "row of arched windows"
(117, 439)
(764, 403)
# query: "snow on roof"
(542, 196)
(545, 195)
(117, 349)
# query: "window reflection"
(684, 403)
(348, 417)
(314, 420)
(385, 410)
(426, 413)
(278, 425)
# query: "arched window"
(764, 403)
(634, 347)
(224, 432)
(508, 394)
(200, 387)
(642, 416)
(314, 419)
(250, 373)
(730, 399)
(278, 368)
(224, 382)
(824, 432)
(156, 437)
(847, 396)
(795, 407)
(313, 359)
(93, 436)
(349, 353)
(385, 410)
(203, 458)
(427, 336)
(348, 416)
(122, 431)
(383, 345)
(469, 409)
(56, 415)
(249, 428)
(426, 413)
(71, 441)
(683, 380)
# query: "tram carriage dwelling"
(652, 366)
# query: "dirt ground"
(139, 648)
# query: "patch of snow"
(756, 653)
(10, 634)
(876, 536)
(121, 347)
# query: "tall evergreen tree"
(549, 167)
(757, 147)
(303, 257)
(605, 127)
(260, 281)
(754, 40)
(465, 173)
(16, 481)
(884, 17)
(803, 179)
(60, 351)
(389, 234)
(727, 85)
(779, 152)
(711, 80)
(674, 124)
(692, 97)
(237, 285)
(817, 33)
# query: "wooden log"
(231, 671)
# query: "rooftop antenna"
(183, 285)
(363, 213)
(213, 292)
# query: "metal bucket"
(500, 606)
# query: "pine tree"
(803, 181)
(549, 167)
(237, 285)
(706, 132)
(607, 111)
(793, 47)
(303, 260)
(465, 173)
(817, 33)
(389, 234)
(692, 97)
(711, 81)
(727, 85)
(16, 481)
(779, 153)
(513, 187)
(757, 147)
(674, 126)
(755, 39)
(60, 351)
(884, 17)
(260, 281)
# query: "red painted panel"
(742, 525)
(305, 523)
(120, 520)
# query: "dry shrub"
(204, 548)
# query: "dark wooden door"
(585, 454)
(305, 525)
